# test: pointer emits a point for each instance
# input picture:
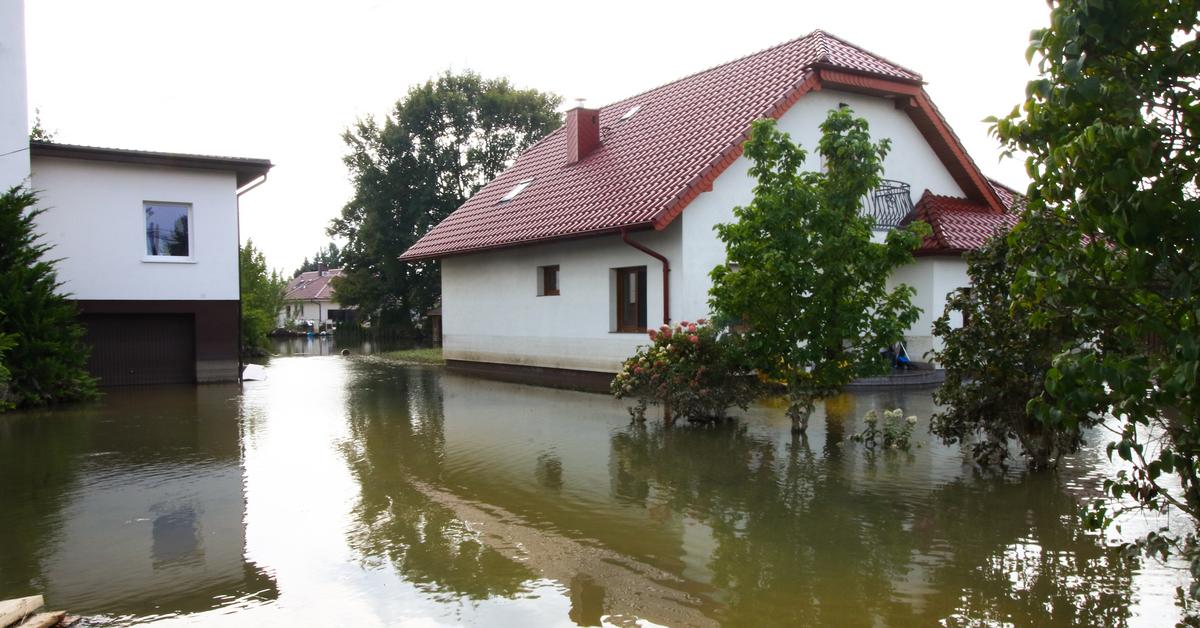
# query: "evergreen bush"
(48, 357)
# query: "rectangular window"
(548, 281)
(168, 230)
(631, 299)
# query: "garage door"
(129, 349)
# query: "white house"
(310, 296)
(148, 249)
(605, 227)
(147, 242)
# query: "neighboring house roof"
(958, 224)
(649, 167)
(247, 169)
(312, 286)
(1012, 199)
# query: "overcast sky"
(282, 79)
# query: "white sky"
(282, 79)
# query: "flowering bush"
(895, 433)
(692, 369)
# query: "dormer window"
(517, 189)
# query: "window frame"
(190, 258)
(543, 280)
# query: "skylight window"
(629, 114)
(520, 187)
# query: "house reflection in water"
(152, 523)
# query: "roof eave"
(246, 169)
(640, 226)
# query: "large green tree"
(1112, 131)
(329, 256)
(802, 276)
(46, 355)
(441, 143)
(262, 296)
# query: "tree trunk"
(799, 411)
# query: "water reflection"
(132, 506)
(315, 345)
(755, 527)
(397, 522)
(344, 491)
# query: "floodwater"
(352, 491)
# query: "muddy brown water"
(349, 491)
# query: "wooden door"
(631, 299)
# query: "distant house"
(604, 228)
(310, 297)
(147, 242)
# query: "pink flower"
(694, 339)
(692, 328)
(637, 370)
(653, 334)
(665, 327)
(683, 323)
(701, 321)
(666, 333)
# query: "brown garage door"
(130, 349)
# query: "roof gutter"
(253, 184)
(666, 271)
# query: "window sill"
(629, 331)
(164, 259)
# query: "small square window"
(548, 281)
(168, 230)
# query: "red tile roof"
(312, 286)
(684, 134)
(958, 224)
(1012, 199)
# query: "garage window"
(168, 231)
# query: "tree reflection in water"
(746, 524)
(805, 539)
(397, 436)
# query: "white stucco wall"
(95, 220)
(933, 278)
(491, 311)
(14, 107)
(911, 160)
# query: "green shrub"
(48, 357)
(7, 342)
(691, 369)
(996, 362)
(895, 432)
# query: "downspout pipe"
(666, 271)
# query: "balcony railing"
(888, 204)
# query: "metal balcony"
(888, 204)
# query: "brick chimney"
(583, 133)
